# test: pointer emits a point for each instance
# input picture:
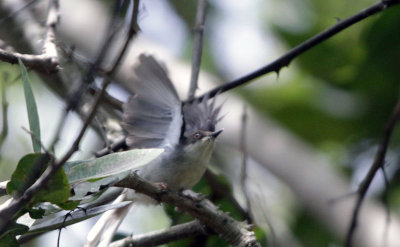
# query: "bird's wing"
(152, 116)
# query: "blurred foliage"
(312, 233)
(186, 11)
(361, 62)
(341, 92)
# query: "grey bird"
(155, 118)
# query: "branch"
(49, 47)
(385, 200)
(118, 145)
(197, 46)
(47, 62)
(190, 229)
(24, 23)
(285, 60)
(378, 163)
(17, 11)
(243, 173)
(41, 63)
(132, 31)
(7, 213)
(4, 110)
(236, 233)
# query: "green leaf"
(89, 178)
(36, 213)
(56, 191)
(8, 238)
(53, 222)
(28, 170)
(69, 205)
(8, 241)
(112, 164)
(31, 107)
(16, 229)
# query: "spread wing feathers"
(201, 116)
(152, 116)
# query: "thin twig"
(341, 197)
(284, 60)
(109, 99)
(11, 15)
(106, 82)
(378, 163)
(387, 206)
(41, 63)
(132, 31)
(190, 229)
(47, 62)
(51, 170)
(121, 144)
(272, 237)
(197, 46)
(35, 138)
(236, 233)
(49, 46)
(4, 109)
(243, 174)
(17, 204)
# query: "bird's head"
(199, 131)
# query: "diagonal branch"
(378, 163)
(4, 110)
(49, 46)
(17, 11)
(47, 62)
(197, 46)
(7, 213)
(285, 60)
(244, 167)
(236, 233)
(190, 229)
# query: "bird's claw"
(162, 186)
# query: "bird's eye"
(197, 135)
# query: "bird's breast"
(176, 170)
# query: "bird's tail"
(107, 225)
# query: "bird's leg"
(163, 189)
(162, 186)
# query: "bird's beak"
(216, 133)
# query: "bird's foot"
(162, 186)
(163, 189)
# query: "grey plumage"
(155, 107)
(200, 116)
(151, 115)
(154, 117)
